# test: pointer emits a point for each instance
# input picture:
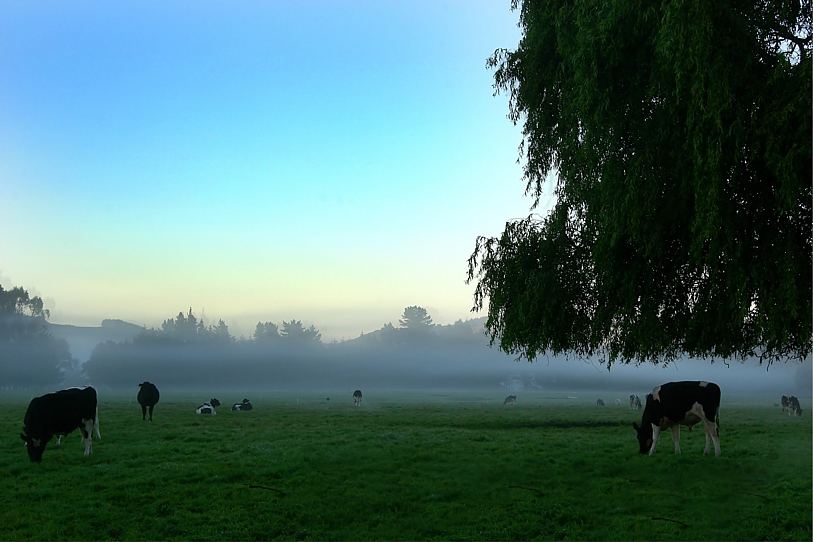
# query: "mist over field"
(450, 357)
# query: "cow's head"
(644, 434)
(34, 446)
(214, 402)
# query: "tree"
(295, 332)
(415, 317)
(29, 354)
(266, 332)
(678, 134)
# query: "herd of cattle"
(669, 406)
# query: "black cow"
(244, 405)
(680, 403)
(510, 400)
(59, 413)
(147, 397)
(357, 398)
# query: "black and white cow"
(357, 398)
(793, 406)
(680, 403)
(785, 404)
(244, 405)
(206, 408)
(147, 397)
(510, 400)
(59, 413)
(635, 402)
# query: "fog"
(455, 357)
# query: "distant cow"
(510, 400)
(635, 402)
(147, 397)
(680, 403)
(244, 405)
(785, 404)
(794, 407)
(60, 413)
(206, 408)
(599, 402)
(357, 397)
(214, 402)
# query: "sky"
(330, 161)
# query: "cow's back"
(678, 398)
(61, 411)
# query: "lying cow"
(680, 403)
(206, 408)
(510, 400)
(244, 405)
(147, 397)
(59, 413)
(357, 398)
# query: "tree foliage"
(295, 332)
(29, 354)
(416, 318)
(678, 134)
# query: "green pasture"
(450, 467)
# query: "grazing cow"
(680, 403)
(785, 404)
(206, 408)
(357, 398)
(147, 397)
(244, 405)
(599, 402)
(59, 413)
(214, 402)
(510, 400)
(794, 407)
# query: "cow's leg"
(676, 437)
(708, 441)
(87, 429)
(96, 425)
(656, 432)
(143, 412)
(151, 407)
(711, 431)
(58, 441)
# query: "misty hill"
(83, 339)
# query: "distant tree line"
(185, 351)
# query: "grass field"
(450, 468)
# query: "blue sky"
(330, 161)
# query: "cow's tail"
(96, 424)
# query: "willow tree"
(678, 138)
